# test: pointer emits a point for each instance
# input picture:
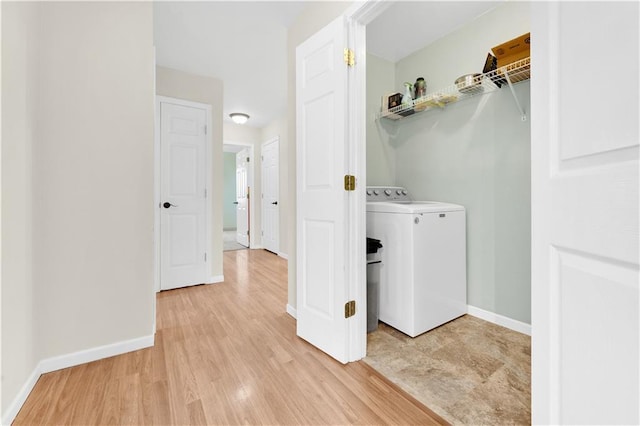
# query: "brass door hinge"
(349, 183)
(350, 309)
(349, 57)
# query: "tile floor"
(469, 371)
(229, 241)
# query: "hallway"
(224, 354)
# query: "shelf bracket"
(523, 115)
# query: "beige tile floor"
(469, 371)
(229, 241)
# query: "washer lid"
(412, 207)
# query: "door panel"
(270, 196)
(182, 181)
(242, 197)
(322, 241)
(585, 230)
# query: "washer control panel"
(387, 193)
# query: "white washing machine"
(423, 274)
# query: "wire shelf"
(507, 75)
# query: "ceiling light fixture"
(239, 117)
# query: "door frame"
(157, 167)
(544, 338)
(274, 139)
(358, 16)
(251, 183)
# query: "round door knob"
(376, 192)
(404, 192)
(275, 203)
(369, 192)
(398, 192)
(387, 192)
(166, 205)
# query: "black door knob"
(235, 202)
(166, 205)
(275, 202)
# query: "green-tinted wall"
(475, 153)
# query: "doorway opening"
(476, 154)
(270, 182)
(181, 178)
(238, 206)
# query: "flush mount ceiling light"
(239, 117)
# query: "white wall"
(241, 133)
(313, 18)
(19, 60)
(77, 147)
(206, 90)
(475, 153)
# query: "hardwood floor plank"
(224, 353)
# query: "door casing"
(275, 140)
(359, 15)
(243, 208)
(157, 189)
(251, 182)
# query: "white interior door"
(182, 195)
(242, 197)
(322, 240)
(270, 196)
(585, 322)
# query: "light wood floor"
(224, 354)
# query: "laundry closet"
(474, 152)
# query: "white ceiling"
(408, 26)
(242, 43)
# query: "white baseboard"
(216, 279)
(94, 354)
(515, 325)
(70, 360)
(292, 311)
(14, 408)
(283, 255)
(256, 247)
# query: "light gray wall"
(229, 191)
(93, 175)
(381, 156)
(77, 151)
(206, 90)
(475, 153)
(19, 65)
(464, 50)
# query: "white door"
(322, 240)
(182, 196)
(270, 196)
(242, 197)
(585, 359)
